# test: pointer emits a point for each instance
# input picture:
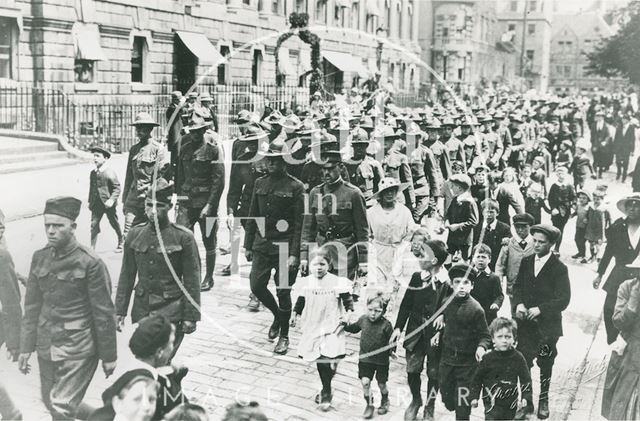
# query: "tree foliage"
(619, 55)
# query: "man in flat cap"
(69, 317)
(104, 190)
(540, 294)
(200, 182)
(337, 218)
(157, 291)
(144, 157)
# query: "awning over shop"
(304, 61)
(12, 11)
(200, 46)
(372, 8)
(86, 40)
(284, 63)
(346, 62)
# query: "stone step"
(31, 157)
(37, 165)
(10, 146)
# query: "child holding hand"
(327, 303)
(374, 351)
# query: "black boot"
(119, 246)
(545, 384)
(274, 330)
(282, 346)
(412, 410)
(369, 409)
(325, 400)
(207, 282)
(254, 304)
(428, 414)
(384, 404)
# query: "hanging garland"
(299, 23)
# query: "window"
(387, 18)
(247, 2)
(513, 6)
(530, 54)
(511, 27)
(445, 32)
(392, 72)
(567, 71)
(410, 15)
(355, 16)
(222, 68)
(256, 67)
(337, 14)
(533, 5)
(412, 78)
(275, 7)
(569, 45)
(370, 24)
(138, 55)
(531, 29)
(403, 75)
(6, 47)
(398, 21)
(84, 71)
(321, 10)
(300, 6)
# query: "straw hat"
(622, 203)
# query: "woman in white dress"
(391, 225)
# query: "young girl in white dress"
(323, 307)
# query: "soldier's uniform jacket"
(68, 312)
(516, 152)
(396, 165)
(246, 168)
(156, 290)
(455, 149)
(278, 204)
(492, 148)
(505, 137)
(336, 213)
(427, 177)
(365, 174)
(201, 171)
(142, 159)
(442, 158)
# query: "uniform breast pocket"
(344, 208)
(283, 201)
(70, 283)
(145, 163)
(174, 251)
(42, 277)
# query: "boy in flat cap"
(157, 291)
(68, 314)
(540, 294)
(104, 190)
(518, 247)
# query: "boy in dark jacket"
(464, 342)
(498, 375)
(562, 198)
(461, 217)
(104, 190)
(493, 233)
(420, 302)
(487, 289)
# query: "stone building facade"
(125, 48)
(463, 43)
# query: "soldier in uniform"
(272, 239)
(516, 153)
(304, 136)
(69, 317)
(157, 291)
(200, 182)
(144, 156)
(246, 167)
(364, 171)
(504, 135)
(453, 145)
(443, 165)
(211, 116)
(426, 177)
(492, 146)
(311, 174)
(337, 215)
(396, 165)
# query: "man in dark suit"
(601, 144)
(493, 232)
(623, 146)
(104, 190)
(540, 294)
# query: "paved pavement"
(229, 356)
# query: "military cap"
(254, 133)
(385, 132)
(66, 206)
(543, 140)
(330, 158)
(567, 142)
(176, 94)
(244, 116)
(274, 118)
(462, 270)
(367, 122)
(276, 148)
(100, 150)
(600, 113)
(360, 136)
(499, 115)
(161, 190)
(433, 123)
(205, 96)
(469, 141)
(457, 165)
(192, 95)
(307, 127)
(144, 119)
(152, 333)
(448, 122)
(412, 130)
(461, 179)
(516, 118)
(197, 122)
(552, 233)
(468, 120)
(523, 219)
(290, 122)
(122, 382)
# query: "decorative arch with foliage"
(299, 23)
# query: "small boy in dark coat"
(421, 300)
(461, 217)
(465, 340)
(104, 190)
(499, 373)
(581, 167)
(493, 233)
(534, 203)
(487, 288)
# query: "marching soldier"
(68, 314)
(396, 165)
(277, 205)
(144, 156)
(432, 141)
(453, 145)
(426, 177)
(363, 169)
(157, 291)
(212, 117)
(337, 215)
(492, 146)
(246, 167)
(200, 179)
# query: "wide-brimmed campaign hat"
(144, 119)
(622, 203)
(254, 133)
(291, 122)
(197, 122)
(308, 127)
(277, 148)
(359, 136)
